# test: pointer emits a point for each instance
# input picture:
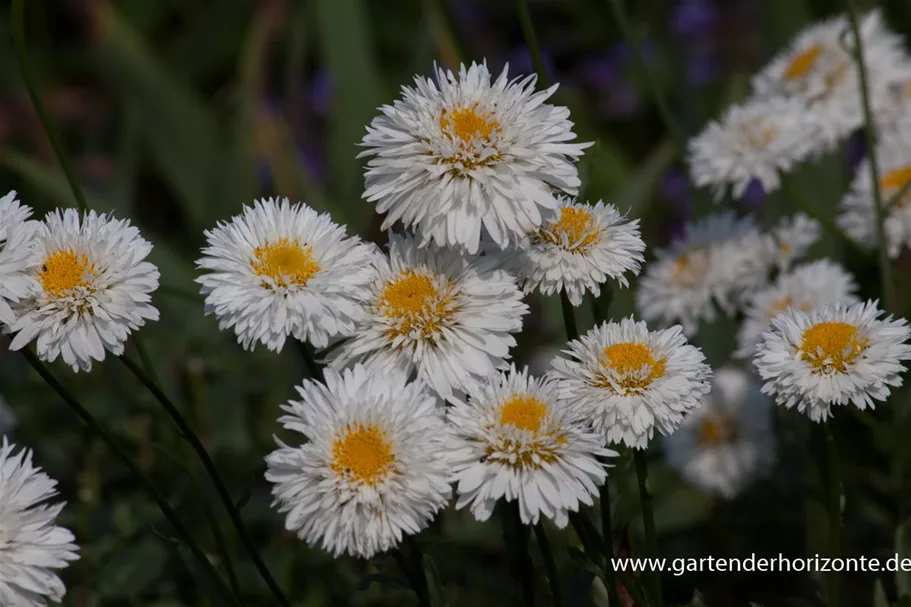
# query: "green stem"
(824, 220)
(413, 570)
(569, 318)
(549, 565)
(607, 532)
(531, 41)
(190, 436)
(313, 368)
(444, 33)
(516, 539)
(634, 45)
(18, 30)
(834, 506)
(885, 265)
(147, 484)
(648, 522)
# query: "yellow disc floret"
(363, 454)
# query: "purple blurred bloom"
(520, 63)
(856, 150)
(676, 189)
(693, 18)
(755, 194)
(311, 157)
(701, 70)
(320, 93)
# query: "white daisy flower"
(858, 216)
(438, 314)
(33, 546)
(728, 442)
(755, 141)
(515, 440)
(805, 287)
(280, 270)
(791, 240)
(629, 381)
(374, 465)
(577, 253)
(718, 261)
(819, 68)
(17, 257)
(93, 288)
(833, 355)
(462, 152)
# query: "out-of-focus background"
(177, 112)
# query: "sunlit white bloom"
(718, 260)
(374, 464)
(727, 442)
(33, 546)
(515, 440)
(462, 151)
(17, 257)
(805, 287)
(629, 381)
(818, 68)
(833, 355)
(280, 270)
(577, 253)
(755, 141)
(858, 216)
(93, 288)
(791, 240)
(447, 317)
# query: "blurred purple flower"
(677, 189)
(701, 70)
(692, 18)
(856, 150)
(314, 162)
(755, 194)
(520, 63)
(319, 94)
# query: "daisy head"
(818, 68)
(465, 151)
(791, 240)
(755, 141)
(728, 441)
(718, 260)
(280, 270)
(858, 214)
(805, 287)
(374, 464)
(628, 381)
(578, 252)
(18, 259)
(833, 355)
(33, 546)
(446, 317)
(515, 440)
(94, 288)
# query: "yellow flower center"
(286, 262)
(64, 271)
(627, 360)
(690, 267)
(363, 454)
(801, 65)
(714, 431)
(577, 226)
(466, 123)
(417, 302)
(831, 346)
(894, 182)
(523, 412)
(756, 135)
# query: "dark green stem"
(18, 29)
(413, 570)
(190, 436)
(607, 532)
(134, 469)
(313, 368)
(515, 535)
(885, 265)
(444, 33)
(569, 318)
(549, 565)
(531, 41)
(648, 522)
(833, 483)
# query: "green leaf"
(879, 594)
(171, 119)
(434, 584)
(637, 195)
(347, 50)
(48, 181)
(133, 570)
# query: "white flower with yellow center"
(93, 288)
(818, 68)
(374, 465)
(628, 381)
(791, 240)
(577, 253)
(858, 216)
(515, 440)
(438, 314)
(462, 152)
(728, 442)
(17, 257)
(805, 287)
(280, 270)
(833, 355)
(33, 545)
(755, 141)
(718, 260)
